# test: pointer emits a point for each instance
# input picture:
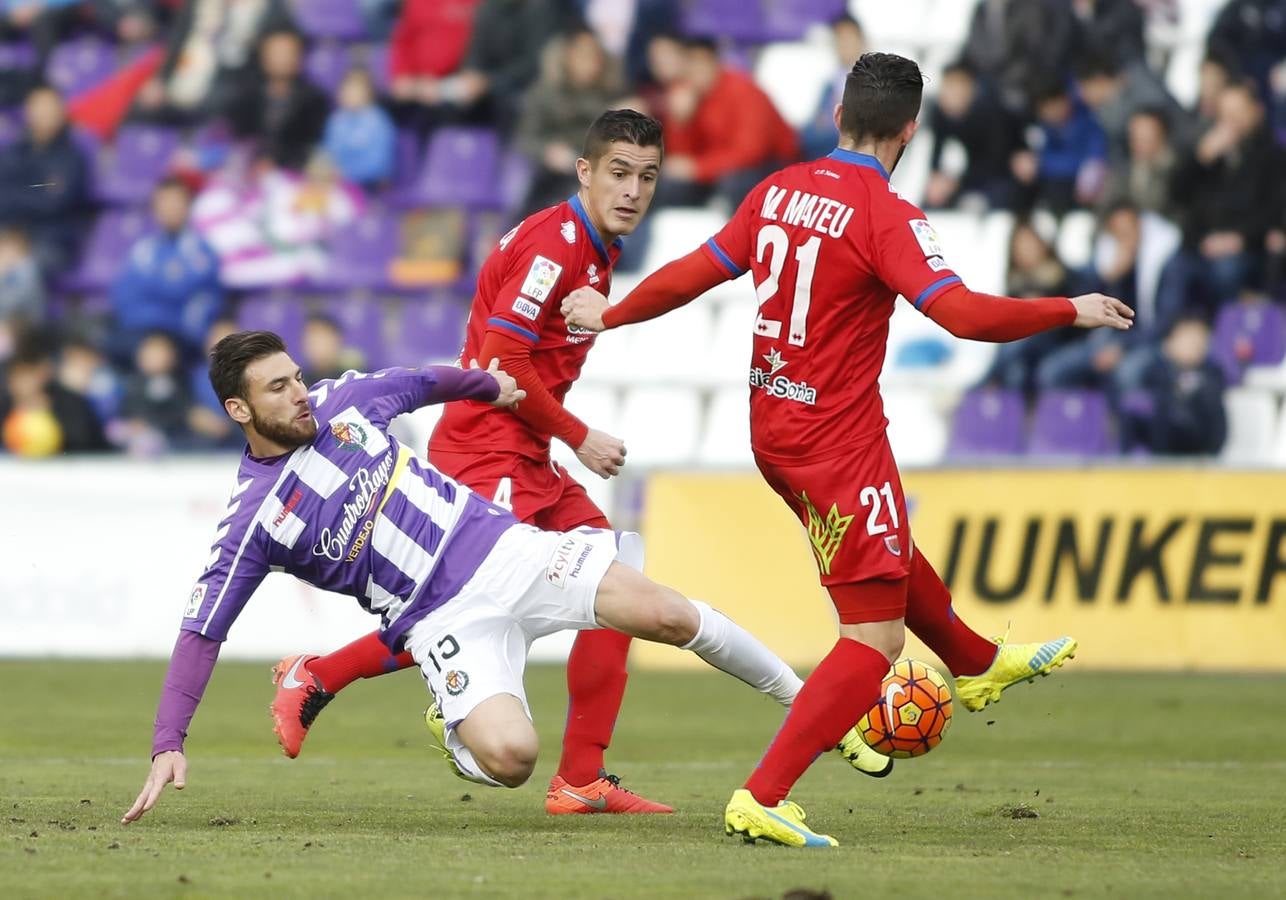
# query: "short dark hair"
(1050, 87)
(172, 181)
(881, 95)
(627, 125)
(231, 356)
(702, 42)
(1152, 111)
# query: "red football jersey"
(830, 245)
(520, 289)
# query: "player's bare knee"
(509, 759)
(676, 619)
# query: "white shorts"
(533, 583)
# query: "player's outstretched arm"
(669, 287)
(170, 766)
(982, 317)
(1102, 311)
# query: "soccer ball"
(913, 714)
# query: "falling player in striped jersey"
(326, 494)
(831, 245)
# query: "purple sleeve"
(451, 383)
(382, 396)
(191, 664)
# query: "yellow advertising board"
(1149, 568)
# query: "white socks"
(728, 647)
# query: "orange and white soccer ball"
(913, 712)
(32, 433)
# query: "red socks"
(838, 693)
(595, 688)
(930, 617)
(366, 657)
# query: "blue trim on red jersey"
(935, 287)
(579, 209)
(724, 259)
(859, 159)
(517, 329)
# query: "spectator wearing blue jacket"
(359, 134)
(1066, 164)
(43, 182)
(170, 280)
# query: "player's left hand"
(1098, 310)
(584, 308)
(510, 394)
(169, 766)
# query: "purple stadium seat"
(377, 65)
(361, 252)
(408, 162)
(330, 18)
(788, 20)
(17, 55)
(516, 172)
(428, 330)
(461, 168)
(10, 126)
(109, 244)
(126, 171)
(1070, 423)
(1257, 329)
(741, 20)
(277, 311)
(987, 423)
(361, 318)
(77, 65)
(326, 65)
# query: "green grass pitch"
(1084, 785)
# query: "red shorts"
(538, 493)
(854, 511)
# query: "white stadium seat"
(725, 438)
(794, 75)
(1252, 426)
(1075, 245)
(917, 428)
(668, 349)
(677, 232)
(661, 425)
(727, 358)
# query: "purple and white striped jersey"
(353, 512)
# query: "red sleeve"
(982, 317)
(534, 283)
(668, 288)
(905, 252)
(539, 410)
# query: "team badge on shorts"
(349, 435)
(825, 534)
(457, 682)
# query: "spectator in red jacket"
(428, 44)
(722, 133)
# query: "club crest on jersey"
(541, 278)
(893, 545)
(349, 435)
(457, 682)
(825, 534)
(775, 361)
(568, 230)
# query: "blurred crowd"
(163, 163)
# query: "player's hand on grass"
(1100, 310)
(166, 767)
(584, 308)
(510, 394)
(602, 454)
